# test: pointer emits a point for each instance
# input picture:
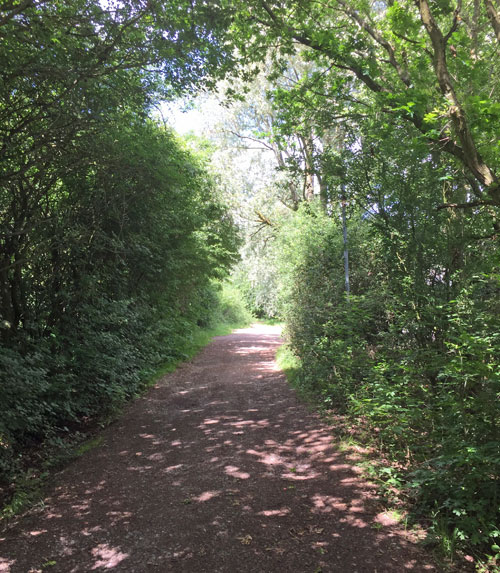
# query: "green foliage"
(112, 233)
(114, 238)
(412, 354)
(383, 58)
(232, 307)
(89, 445)
(290, 364)
(396, 114)
(255, 278)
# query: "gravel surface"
(219, 468)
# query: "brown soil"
(219, 468)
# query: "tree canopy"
(431, 65)
(112, 233)
(380, 124)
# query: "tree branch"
(468, 205)
(263, 220)
(469, 155)
(259, 141)
(493, 16)
(365, 25)
(14, 11)
(350, 65)
(454, 26)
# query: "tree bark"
(494, 17)
(471, 156)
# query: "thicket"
(113, 236)
(411, 355)
(388, 113)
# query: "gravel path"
(219, 468)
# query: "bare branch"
(263, 220)
(468, 205)
(259, 141)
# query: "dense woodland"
(113, 233)
(372, 228)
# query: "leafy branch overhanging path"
(218, 468)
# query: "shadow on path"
(218, 469)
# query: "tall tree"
(68, 71)
(432, 66)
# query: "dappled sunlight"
(171, 469)
(249, 423)
(354, 521)
(274, 512)
(156, 457)
(207, 496)
(208, 422)
(6, 564)
(267, 458)
(327, 504)
(53, 515)
(239, 468)
(35, 533)
(140, 469)
(299, 477)
(117, 516)
(387, 519)
(89, 531)
(235, 472)
(107, 557)
(81, 508)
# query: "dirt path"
(218, 469)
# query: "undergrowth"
(396, 481)
(410, 363)
(27, 480)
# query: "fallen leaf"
(246, 540)
(278, 550)
(296, 532)
(317, 530)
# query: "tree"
(111, 232)
(404, 97)
(70, 70)
(432, 67)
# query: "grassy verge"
(200, 338)
(289, 363)
(359, 447)
(29, 488)
(291, 366)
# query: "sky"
(195, 118)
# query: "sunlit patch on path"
(218, 469)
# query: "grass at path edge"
(30, 486)
(360, 451)
(200, 338)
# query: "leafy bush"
(417, 368)
(232, 307)
(138, 238)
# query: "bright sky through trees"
(190, 120)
